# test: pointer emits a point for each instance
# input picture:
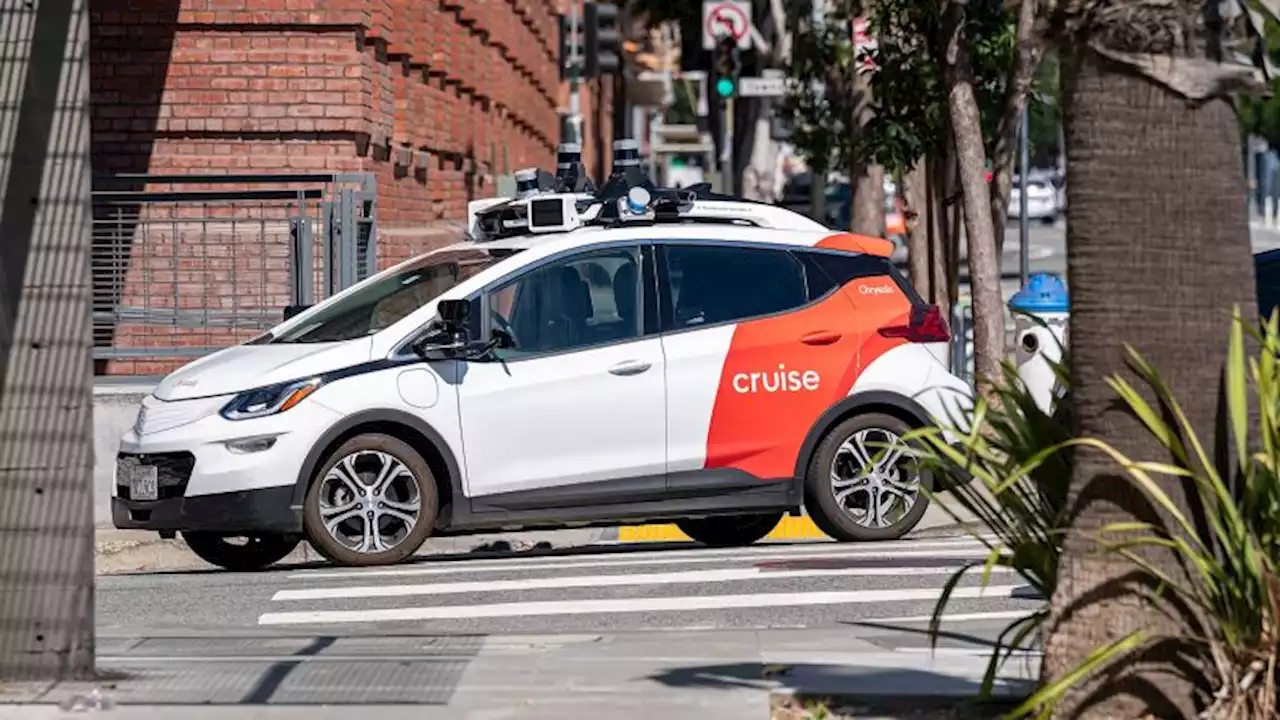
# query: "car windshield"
(390, 299)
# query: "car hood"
(245, 367)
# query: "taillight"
(925, 326)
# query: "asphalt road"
(587, 589)
(603, 630)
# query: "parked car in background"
(1044, 197)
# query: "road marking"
(976, 552)
(951, 548)
(968, 652)
(600, 581)
(957, 617)
(628, 605)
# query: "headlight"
(269, 400)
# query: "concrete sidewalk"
(720, 675)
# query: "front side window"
(389, 299)
(579, 302)
(711, 285)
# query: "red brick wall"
(433, 96)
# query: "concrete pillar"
(46, 371)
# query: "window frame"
(648, 320)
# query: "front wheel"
(372, 503)
(241, 554)
(864, 482)
(730, 530)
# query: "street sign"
(762, 86)
(864, 45)
(721, 18)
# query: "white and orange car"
(581, 360)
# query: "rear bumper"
(265, 510)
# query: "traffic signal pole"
(726, 147)
(575, 72)
(727, 67)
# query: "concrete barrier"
(115, 408)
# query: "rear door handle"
(630, 367)
(820, 337)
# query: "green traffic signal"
(725, 87)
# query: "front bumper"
(207, 479)
(247, 511)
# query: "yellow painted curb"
(791, 528)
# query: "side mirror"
(440, 346)
(454, 313)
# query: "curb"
(790, 528)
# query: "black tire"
(729, 530)
(254, 553)
(330, 547)
(820, 501)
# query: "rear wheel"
(730, 530)
(241, 554)
(864, 483)
(372, 503)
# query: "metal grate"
(187, 265)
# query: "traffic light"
(603, 41)
(727, 66)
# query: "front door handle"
(630, 367)
(820, 337)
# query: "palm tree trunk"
(1158, 252)
(46, 368)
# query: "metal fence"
(184, 265)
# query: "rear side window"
(828, 271)
(708, 285)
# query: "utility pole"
(46, 366)
(1024, 224)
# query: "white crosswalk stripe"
(760, 584)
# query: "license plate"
(143, 482)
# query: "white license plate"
(143, 482)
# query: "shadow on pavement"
(289, 670)
(485, 553)
(864, 689)
(504, 551)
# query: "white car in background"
(1044, 199)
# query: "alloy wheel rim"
(874, 479)
(370, 501)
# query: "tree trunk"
(866, 217)
(1025, 64)
(1158, 252)
(46, 359)
(866, 179)
(916, 211)
(984, 260)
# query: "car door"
(757, 348)
(577, 403)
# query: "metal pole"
(1024, 225)
(575, 72)
(726, 151)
